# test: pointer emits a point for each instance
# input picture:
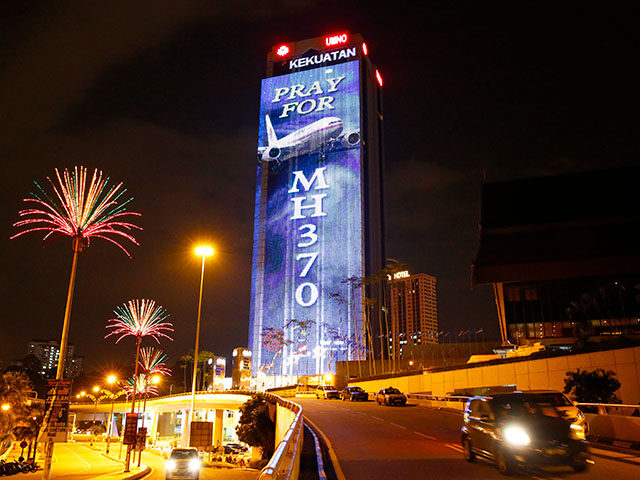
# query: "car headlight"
(516, 436)
(194, 465)
(577, 431)
(171, 465)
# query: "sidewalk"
(73, 459)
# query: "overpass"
(165, 417)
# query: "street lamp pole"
(204, 251)
(111, 380)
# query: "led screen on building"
(308, 238)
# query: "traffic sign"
(57, 410)
(130, 429)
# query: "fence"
(285, 462)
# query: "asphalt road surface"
(206, 473)
(376, 442)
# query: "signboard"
(201, 434)
(57, 410)
(141, 439)
(308, 227)
(130, 429)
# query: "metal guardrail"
(285, 461)
(439, 398)
(619, 409)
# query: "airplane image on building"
(320, 136)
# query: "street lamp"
(111, 379)
(96, 390)
(204, 251)
(6, 407)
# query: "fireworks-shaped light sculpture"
(81, 209)
(139, 318)
(143, 386)
(153, 362)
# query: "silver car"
(183, 463)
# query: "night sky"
(166, 99)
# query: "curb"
(321, 474)
(334, 459)
(606, 442)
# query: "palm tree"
(14, 399)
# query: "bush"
(255, 427)
(597, 386)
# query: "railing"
(439, 398)
(285, 461)
(610, 409)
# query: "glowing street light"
(204, 251)
(6, 407)
(111, 380)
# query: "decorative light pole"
(204, 251)
(139, 318)
(81, 209)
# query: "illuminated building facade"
(241, 374)
(218, 366)
(414, 309)
(318, 207)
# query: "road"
(376, 442)
(207, 473)
(76, 461)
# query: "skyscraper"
(414, 309)
(318, 212)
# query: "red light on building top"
(365, 50)
(334, 40)
(283, 50)
(379, 77)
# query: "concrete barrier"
(614, 427)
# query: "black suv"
(522, 428)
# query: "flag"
(302, 349)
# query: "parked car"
(354, 393)
(183, 463)
(327, 392)
(391, 396)
(234, 448)
(523, 428)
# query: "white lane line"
(81, 459)
(401, 426)
(425, 436)
(457, 448)
(377, 418)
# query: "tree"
(256, 427)
(597, 386)
(14, 393)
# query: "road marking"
(401, 426)
(81, 459)
(425, 436)
(377, 418)
(457, 448)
